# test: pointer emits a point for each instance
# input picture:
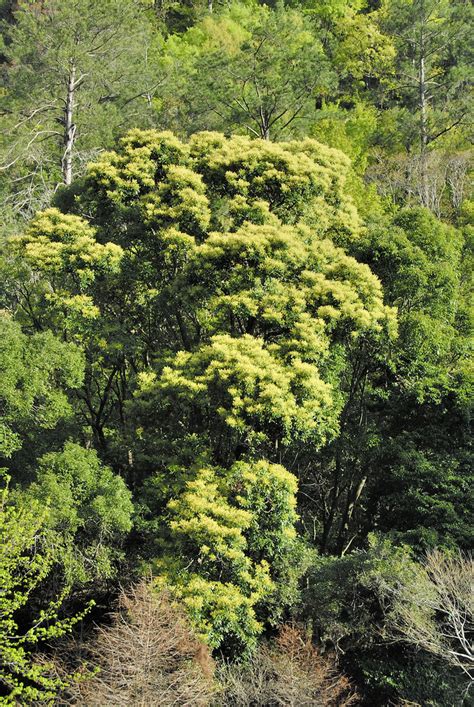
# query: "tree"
(354, 603)
(393, 466)
(346, 596)
(437, 613)
(429, 405)
(233, 553)
(261, 75)
(24, 566)
(90, 512)
(355, 43)
(68, 89)
(37, 372)
(149, 654)
(55, 268)
(288, 671)
(433, 38)
(223, 307)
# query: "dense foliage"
(235, 351)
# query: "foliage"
(36, 372)
(346, 596)
(65, 262)
(234, 550)
(393, 673)
(219, 353)
(260, 75)
(422, 269)
(90, 511)
(24, 566)
(368, 603)
(401, 461)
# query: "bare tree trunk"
(69, 127)
(423, 121)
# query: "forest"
(236, 371)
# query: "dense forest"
(236, 352)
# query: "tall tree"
(434, 52)
(212, 305)
(401, 461)
(75, 72)
(250, 69)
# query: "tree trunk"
(353, 496)
(69, 127)
(264, 123)
(423, 122)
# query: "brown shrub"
(289, 671)
(148, 656)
